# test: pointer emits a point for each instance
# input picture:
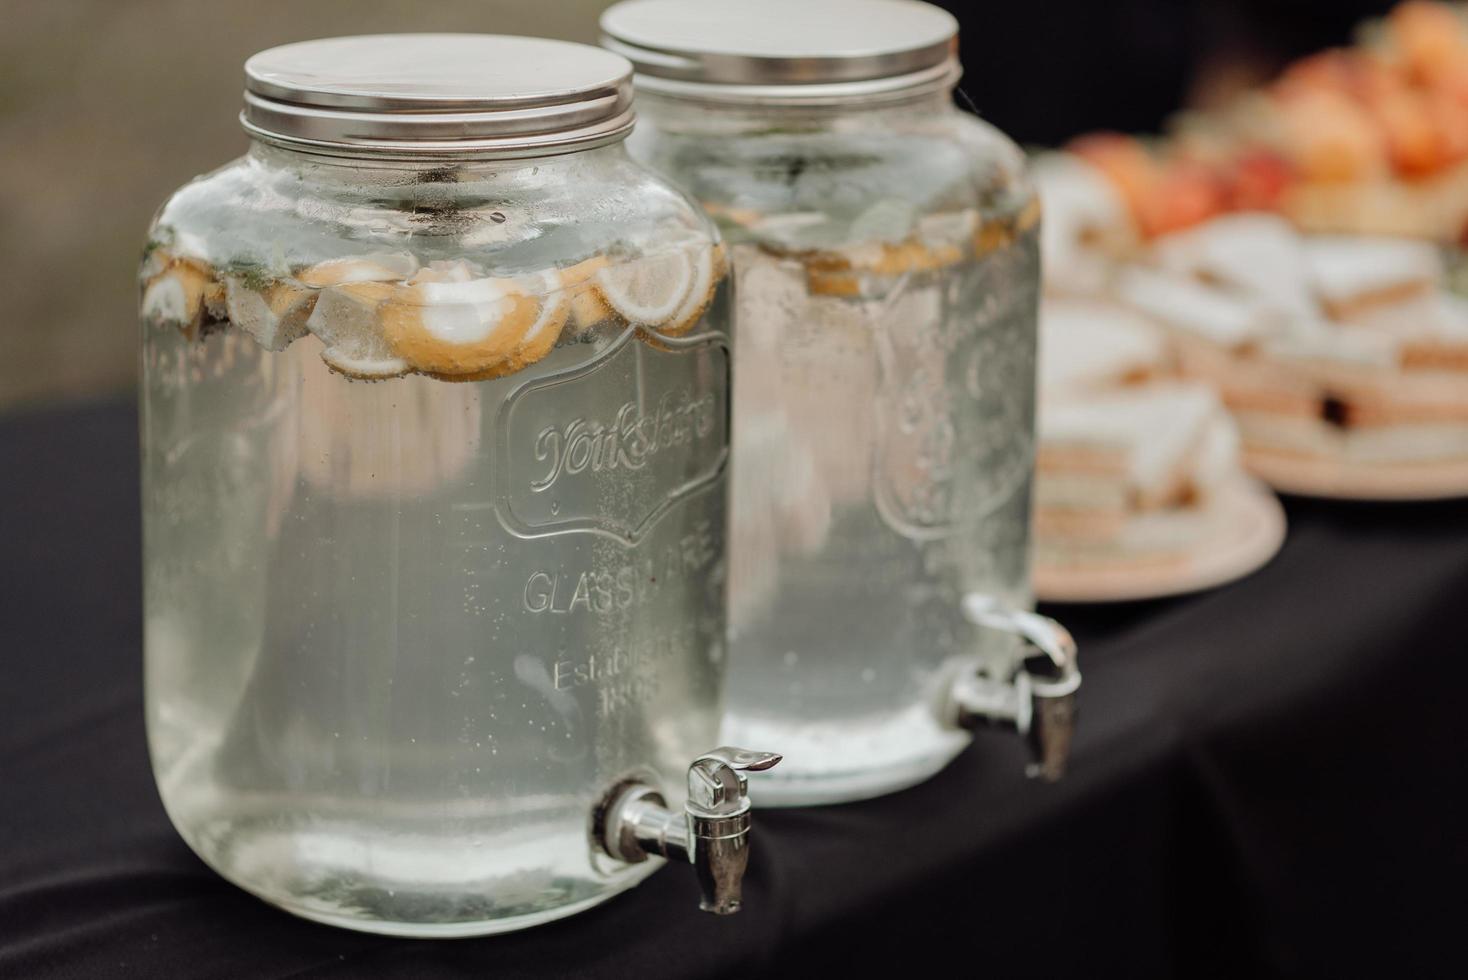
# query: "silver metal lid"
(438, 95)
(806, 51)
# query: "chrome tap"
(1034, 697)
(711, 832)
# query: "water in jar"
(401, 633)
(884, 401)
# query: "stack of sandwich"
(1298, 254)
(1138, 483)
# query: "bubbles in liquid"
(332, 723)
(882, 450)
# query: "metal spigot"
(1035, 697)
(711, 833)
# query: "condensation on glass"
(434, 423)
(886, 282)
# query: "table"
(1268, 780)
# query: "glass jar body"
(886, 296)
(401, 633)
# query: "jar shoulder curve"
(1001, 165)
(834, 178)
(283, 212)
(182, 221)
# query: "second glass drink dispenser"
(886, 287)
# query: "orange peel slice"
(380, 267)
(457, 328)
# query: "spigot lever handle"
(1040, 632)
(716, 782)
(712, 833)
(1038, 699)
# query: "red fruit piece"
(1124, 161)
(1257, 181)
(1432, 41)
(1187, 194)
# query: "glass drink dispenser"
(435, 435)
(886, 271)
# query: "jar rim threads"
(438, 95)
(772, 52)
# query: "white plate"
(1246, 530)
(1340, 480)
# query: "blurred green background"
(105, 108)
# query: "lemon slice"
(587, 308)
(553, 307)
(215, 300)
(346, 320)
(582, 272)
(275, 316)
(942, 229)
(176, 296)
(846, 273)
(1030, 216)
(840, 273)
(445, 270)
(648, 291)
(555, 310)
(557, 293)
(155, 262)
(370, 367)
(843, 283)
(1001, 232)
(381, 267)
(458, 328)
(709, 268)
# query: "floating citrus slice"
(457, 328)
(947, 228)
(275, 316)
(709, 268)
(176, 296)
(823, 280)
(383, 267)
(215, 300)
(1001, 232)
(555, 310)
(368, 368)
(587, 308)
(648, 291)
(345, 318)
(847, 272)
(562, 295)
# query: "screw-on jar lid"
(438, 94)
(784, 51)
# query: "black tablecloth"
(1267, 781)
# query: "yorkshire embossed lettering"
(631, 440)
(611, 444)
(610, 590)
